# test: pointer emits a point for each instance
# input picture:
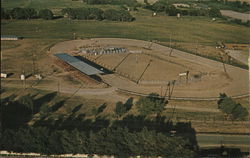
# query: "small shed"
(9, 38)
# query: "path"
(236, 15)
(239, 55)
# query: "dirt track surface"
(234, 82)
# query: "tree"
(30, 13)
(118, 15)
(129, 103)
(46, 14)
(15, 113)
(120, 109)
(151, 104)
(233, 110)
(214, 12)
(159, 6)
(172, 11)
(4, 14)
(27, 101)
(18, 13)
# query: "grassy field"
(202, 121)
(187, 29)
(40, 3)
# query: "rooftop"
(78, 64)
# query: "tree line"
(200, 8)
(72, 13)
(108, 141)
(113, 2)
(26, 13)
(130, 136)
(169, 9)
(97, 14)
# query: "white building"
(9, 38)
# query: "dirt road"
(239, 55)
(235, 15)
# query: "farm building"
(9, 38)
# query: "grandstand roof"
(78, 64)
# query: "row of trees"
(133, 135)
(231, 109)
(151, 104)
(108, 141)
(169, 9)
(239, 6)
(97, 14)
(72, 13)
(26, 13)
(113, 2)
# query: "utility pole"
(161, 91)
(224, 66)
(170, 41)
(58, 87)
(1, 61)
(170, 45)
(33, 63)
(187, 73)
(173, 83)
(196, 48)
(144, 71)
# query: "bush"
(46, 14)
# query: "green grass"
(216, 140)
(40, 4)
(188, 29)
